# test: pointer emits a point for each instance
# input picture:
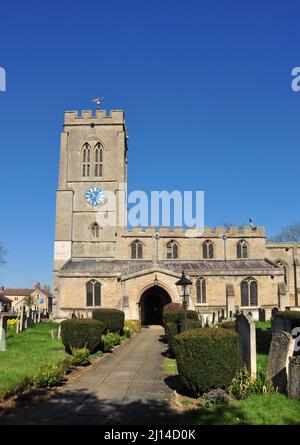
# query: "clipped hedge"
(207, 358)
(134, 325)
(81, 333)
(178, 316)
(112, 319)
(172, 329)
(292, 315)
(229, 324)
(171, 307)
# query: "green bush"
(80, 357)
(178, 316)
(293, 315)
(112, 319)
(109, 340)
(229, 324)
(49, 375)
(207, 358)
(242, 386)
(81, 333)
(134, 325)
(127, 332)
(172, 329)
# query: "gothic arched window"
(98, 160)
(93, 293)
(95, 230)
(172, 250)
(208, 249)
(283, 266)
(136, 250)
(249, 292)
(201, 290)
(86, 160)
(242, 249)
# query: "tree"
(2, 255)
(288, 234)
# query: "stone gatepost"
(245, 327)
(281, 350)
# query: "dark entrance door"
(152, 302)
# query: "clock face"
(94, 196)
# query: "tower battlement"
(208, 232)
(108, 117)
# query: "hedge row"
(178, 316)
(292, 315)
(81, 333)
(112, 319)
(172, 329)
(207, 358)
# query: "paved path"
(125, 388)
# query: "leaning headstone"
(245, 327)
(59, 332)
(294, 378)
(282, 347)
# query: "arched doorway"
(151, 305)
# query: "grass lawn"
(24, 354)
(269, 409)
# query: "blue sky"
(206, 87)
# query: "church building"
(99, 262)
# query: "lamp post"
(183, 285)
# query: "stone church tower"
(99, 262)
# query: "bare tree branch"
(288, 234)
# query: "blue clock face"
(94, 196)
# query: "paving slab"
(125, 388)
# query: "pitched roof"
(3, 298)
(17, 292)
(90, 267)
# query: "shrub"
(81, 333)
(172, 329)
(80, 357)
(112, 319)
(127, 332)
(49, 375)
(12, 322)
(207, 358)
(177, 316)
(134, 325)
(229, 324)
(242, 386)
(293, 315)
(109, 340)
(171, 307)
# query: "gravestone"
(294, 378)
(22, 319)
(59, 332)
(3, 327)
(282, 347)
(245, 327)
(39, 316)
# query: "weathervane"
(98, 101)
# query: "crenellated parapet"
(206, 232)
(97, 117)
